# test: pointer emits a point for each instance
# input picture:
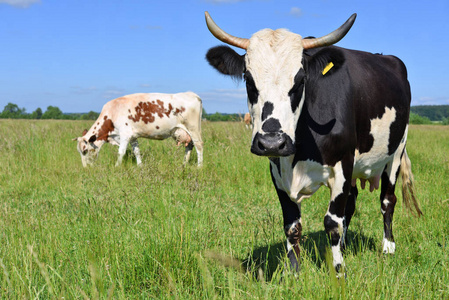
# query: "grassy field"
(169, 231)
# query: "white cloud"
(20, 3)
(431, 101)
(295, 12)
(225, 95)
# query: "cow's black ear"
(226, 61)
(92, 139)
(325, 62)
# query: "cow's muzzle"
(272, 144)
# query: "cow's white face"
(274, 78)
(88, 151)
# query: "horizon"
(79, 55)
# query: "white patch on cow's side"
(370, 165)
(273, 58)
(388, 247)
(396, 163)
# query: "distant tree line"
(432, 112)
(221, 117)
(12, 111)
(424, 114)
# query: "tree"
(53, 112)
(417, 119)
(12, 111)
(90, 116)
(37, 114)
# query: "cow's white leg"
(122, 150)
(199, 152)
(334, 220)
(188, 151)
(198, 143)
(136, 150)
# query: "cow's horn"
(223, 36)
(332, 37)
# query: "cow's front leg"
(335, 217)
(136, 150)
(121, 150)
(349, 212)
(291, 212)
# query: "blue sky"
(77, 55)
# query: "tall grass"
(171, 231)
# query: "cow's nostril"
(261, 146)
(282, 146)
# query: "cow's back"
(152, 115)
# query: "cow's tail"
(408, 192)
(201, 110)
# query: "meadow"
(169, 231)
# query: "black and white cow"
(324, 115)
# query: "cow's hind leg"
(388, 202)
(136, 150)
(334, 219)
(198, 143)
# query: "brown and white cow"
(154, 116)
(248, 121)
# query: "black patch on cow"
(332, 228)
(296, 91)
(267, 110)
(271, 125)
(251, 89)
(322, 129)
(226, 61)
(92, 139)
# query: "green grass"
(169, 231)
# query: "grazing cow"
(247, 120)
(154, 116)
(323, 115)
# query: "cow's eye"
(84, 152)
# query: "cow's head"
(87, 148)
(275, 75)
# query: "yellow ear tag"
(327, 68)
